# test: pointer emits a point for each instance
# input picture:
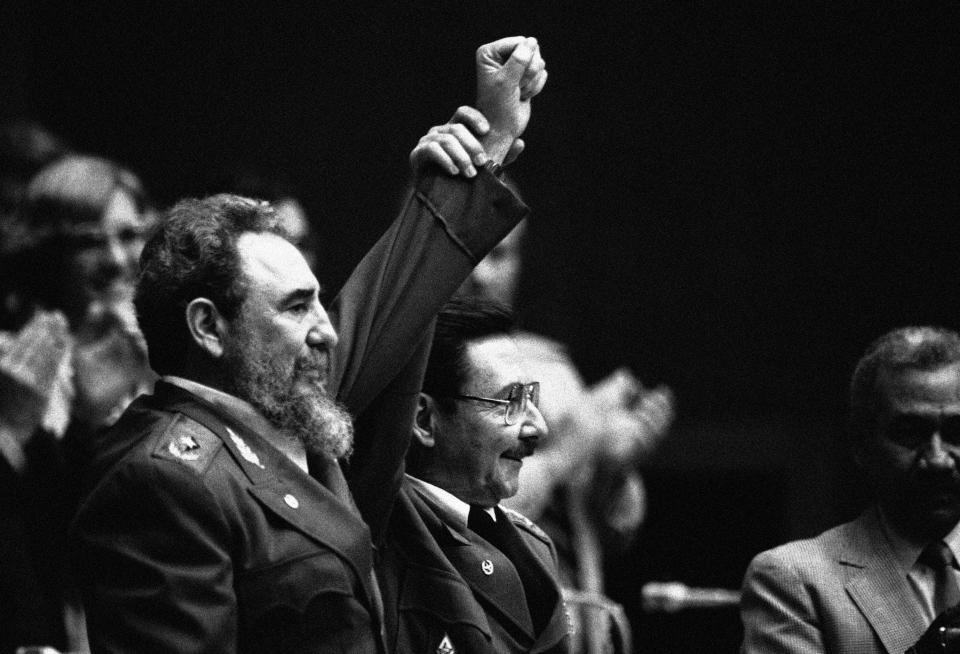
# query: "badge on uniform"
(487, 566)
(184, 447)
(245, 450)
(445, 646)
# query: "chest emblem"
(487, 566)
(445, 646)
(245, 450)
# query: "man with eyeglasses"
(460, 573)
(886, 582)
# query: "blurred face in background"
(497, 276)
(78, 239)
(293, 218)
(102, 260)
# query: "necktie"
(480, 522)
(940, 559)
(507, 540)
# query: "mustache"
(936, 482)
(315, 364)
(317, 361)
(524, 448)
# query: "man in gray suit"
(878, 584)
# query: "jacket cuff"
(463, 205)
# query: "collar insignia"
(245, 450)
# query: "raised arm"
(510, 72)
(445, 227)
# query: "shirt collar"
(952, 540)
(453, 510)
(239, 410)
(907, 551)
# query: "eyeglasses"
(516, 402)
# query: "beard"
(295, 402)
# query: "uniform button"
(487, 566)
(291, 501)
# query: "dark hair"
(74, 190)
(906, 348)
(462, 319)
(193, 253)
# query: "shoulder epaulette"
(189, 443)
(526, 523)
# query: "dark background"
(731, 198)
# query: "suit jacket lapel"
(878, 585)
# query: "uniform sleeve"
(153, 561)
(381, 437)
(445, 227)
(776, 610)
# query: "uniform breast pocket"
(303, 604)
(438, 613)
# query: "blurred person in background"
(249, 181)
(887, 581)
(25, 147)
(73, 250)
(71, 363)
(582, 485)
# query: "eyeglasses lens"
(520, 394)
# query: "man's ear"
(207, 327)
(424, 428)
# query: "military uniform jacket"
(193, 537)
(843, 592)
(446, 590)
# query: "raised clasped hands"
(510, 72)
